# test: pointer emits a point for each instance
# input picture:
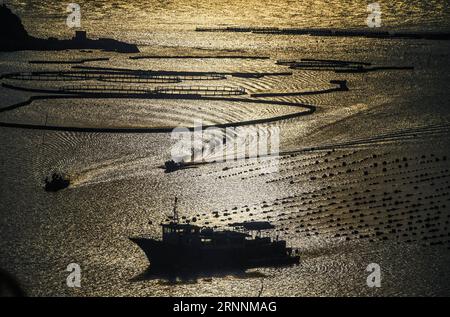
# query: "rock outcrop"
(14, 37)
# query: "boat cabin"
(173, 232)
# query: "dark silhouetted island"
(14, 37)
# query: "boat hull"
(178, 258)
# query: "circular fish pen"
(202, 90)
(110, 76)
(167, 90)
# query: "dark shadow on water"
(192, 277)
(9, 286)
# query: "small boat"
(189, 248)
(173, 166)
(56, 182)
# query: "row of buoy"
(402, 213)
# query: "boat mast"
(175, 211)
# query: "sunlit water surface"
(117, 185)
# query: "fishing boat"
(186, 247)
(56, 182)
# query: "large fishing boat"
(186, 247)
